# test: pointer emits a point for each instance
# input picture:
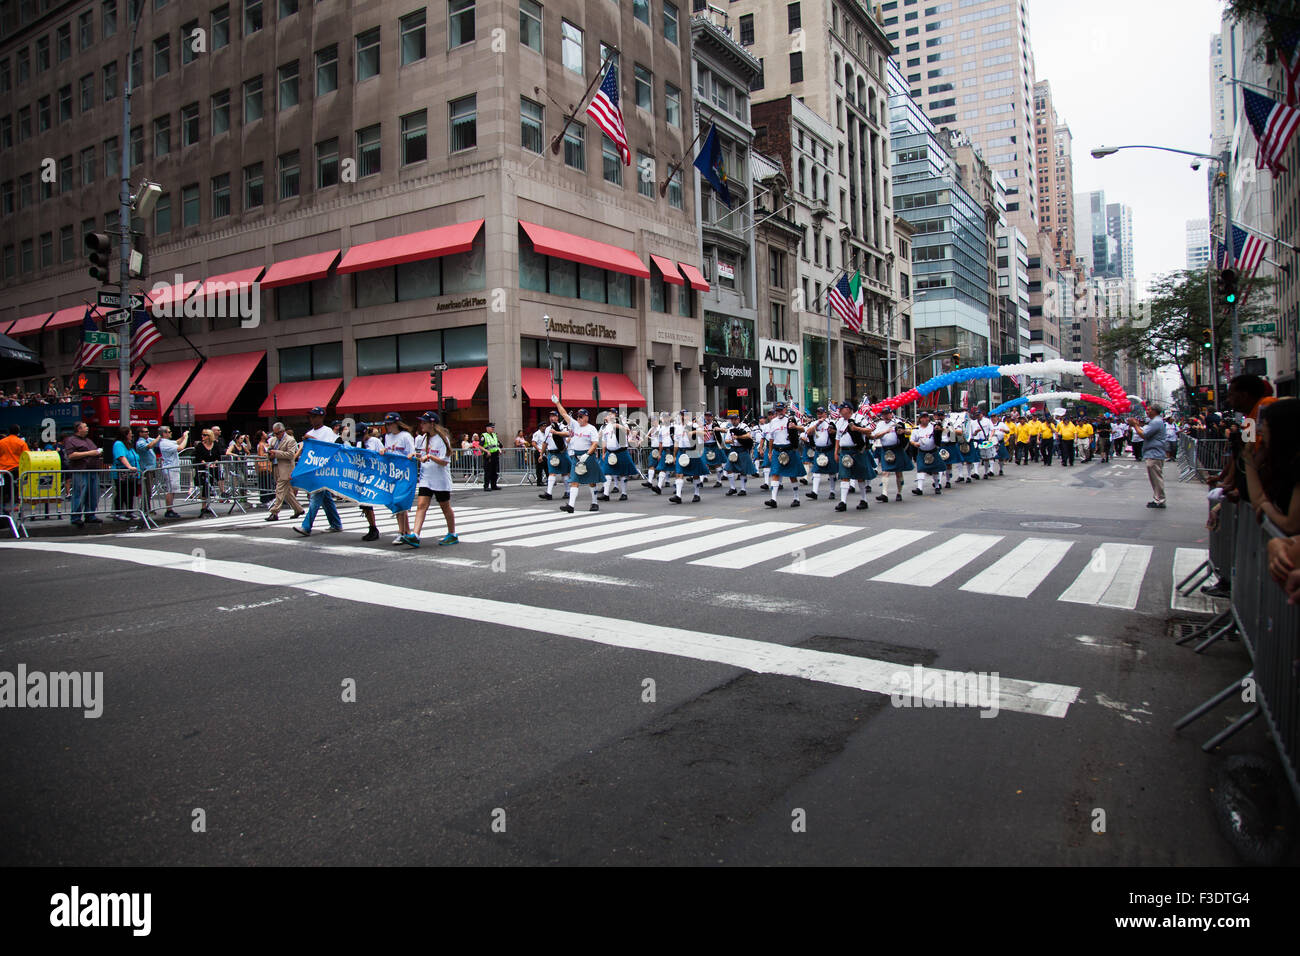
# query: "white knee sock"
(593, 494)
(550, 484)
(767, 476)
(817, 480)
(663, 479)
(776, 486)
(679, 483)
(609, 483)
(622, 485)
(699, 483)
(731, 478)
(744, 482)
(573, 495)
(844, 492)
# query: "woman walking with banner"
(398, 441)
(432, 451)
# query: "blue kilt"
(930, 462)
(713, 456)
(624, 467)
(863, 467)
(830, 468)
(593, 475)
(654, 460)
(743, 465)
(694, 467)
(969, 451)
(1004, 451)
(794, 466)
(558, 463)
(901, 461)
(954, 455)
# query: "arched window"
(803, 171)
(837, 68)
(826, 188)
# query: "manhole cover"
(1050, 525)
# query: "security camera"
(1196, 165)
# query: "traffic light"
(1228, 286)
(433, 381)
(1207, 338)
(956, 359)
(97, 249)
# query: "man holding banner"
(319, 432)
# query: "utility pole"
(1229, 240)
(124, 228)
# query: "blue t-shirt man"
(148, 458)
(1153, 439)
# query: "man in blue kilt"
(616, 462)
(739, 459)
(853, 460)
(783, 437)
(689, 462)
(893, 454)
(558, 464)
(820, 437)
(928, 461)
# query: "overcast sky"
(1134, 71)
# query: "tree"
(1170, 329)
(1276, 16)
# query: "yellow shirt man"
(1023, 432)
(1068, 431)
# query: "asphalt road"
(709, 684)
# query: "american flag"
(144, 335)
(1274, 124)
(604, 109)
(1220, 255)
(841, 300)
(1286, 33)
(87, 354)
(1250, 250)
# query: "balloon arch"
(1115, 400)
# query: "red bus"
(102, 411)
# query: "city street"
(653, 683)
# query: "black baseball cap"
(430, 417)
(392, 417)
(317, 411)
(582, 413)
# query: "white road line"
(501, 521)
(930, 567)
(833, 563)
(387, 551)
(578, 577)
(547, 531)
(1187, 560)
(711, 542)
(684, 527)
(578, 534)
(785, 546)
(1021, 570)
(1113, 577)
(873, 676)
(579, 519)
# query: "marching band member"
(652, 438)
(555, 451)
(765, 446)
(821, 452)
(584, 470)
(690, 460)
(928, 461)
(786, 462)
(712, 451)
(1003, 432)
(893, 454)
(740, 456)
(853, 457)
(949, 436)
(667, 452)
(982, 440)
(432, 451)
(615, 460)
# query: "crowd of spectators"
(54, 393)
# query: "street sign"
(1259, 328)
(100, 338)
(108, 357)
(114, 300)
(440, 367)
(117, 318)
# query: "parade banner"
(366, 477)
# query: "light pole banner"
(367, 477)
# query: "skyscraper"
(1198, 243)
(1053, 146)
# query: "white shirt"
(399, 444)
(779, 430)
(923, 437)
(822, 433)
(884, 430)
(324, 433)
(982, 430)
(665, 435)
(584, 436)
(373, 444)
(684, 437)
(551, 444)
(432, 475)
(169, 453)
(539, 439)
(609, 434)
(843, 432)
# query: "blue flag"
(367, 477)
(709, 163)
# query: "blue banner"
(367, 477)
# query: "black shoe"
(742, 492)
(602, 497)
(94, 521)
(769, 503)
(77, 524)
(975, 477)
(694, 499)
(898, 497)
(371, 535)
(546, 496)
(731, 492)
(1161, 505)
(567, 508)
(812, 495)
(765, 487)
(622, 497)
(645, 484)
(862, 506)
(270, 517)
(170, 514)
(843, 507)
(656, 489)
(948, 484)
(1219, 589)
(595, 507)
(1152, 504)
(301, 530)
(915, 491)
(674, 499)
(884, 498)
(794, 503)
(938, 490)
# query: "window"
(47, 249)
(67, 248)
(112, 158)
(109, 81)
(220, 28)
(6, 132)
(221, 196)
(307, 362)
(464, 123)
(778, 321)
(415, 148)
(290, 174)
(670, 22)
(65, 103)
(672, 105)
(530, 125)
(460, 23)
(6, 79)
(85, 30)
(367, 54)
(26, 255)
(368, 151)
(327, 163)
(63, 42)
(162, 215)
(253, 186)
(252, 16)
(24, 61)
(86, 86)
(162, 56)
(24, 190)
(288, 8)
(611, 160)
(776, 269)
(288, 83)
(747, 31)
(87, 165)
(252, 100)
(575, 152)
(571, 47)
(641, 10)
(7, 206)
(644, 86)
(220, 112)
(137, 68)
(162, 136)
(645, 179)
(412, 28)
(796, 66)
(189, 124)
(530, 24)
(675, 190)
(42, 114)
(188, 54)
(327, 69)
(190, 205)
(108, 18)
(793, 20)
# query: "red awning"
(565, 245)
(167, 379)
(409, 391)
(230, 282)
(219, 383)
(430, 243)
(695, 276)
(171, 296)
(302, 269)
(298, 398)
(70, 316)
(28, 325)
(669, 270)
(615, 389)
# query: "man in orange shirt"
(12, 447)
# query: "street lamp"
(1224, 160)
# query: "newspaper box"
(40, 476)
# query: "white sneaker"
(399, 540)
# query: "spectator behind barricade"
(145, 449)
(126, 473)
(521, 440)
(12, 447)
(207, 458)
(84, 458)
(265, 483)
(464, 442)
(1272, 465)
(169, 466)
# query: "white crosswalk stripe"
(710, 542)
(1112, 578)
(1019, 572)
(687, 526)
(928, 569)
(785, 545)
(578, 534)
(511, 530)
(855, 555)
(1187, 560)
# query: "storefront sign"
(467, 302)
(591, 330)
(722, 372)
(780, 371)
(726, 271)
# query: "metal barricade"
(245, 482)
(9, 504)
(68, 494)
(466, 467)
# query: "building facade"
(1198, 243)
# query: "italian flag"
(855, 287)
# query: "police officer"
(491, 457)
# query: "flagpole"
(568, 120)
(757, 196)
(1263, 235)
(676, 167)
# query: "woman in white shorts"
(398, 440)
(432, 452)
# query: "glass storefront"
(815, 373)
